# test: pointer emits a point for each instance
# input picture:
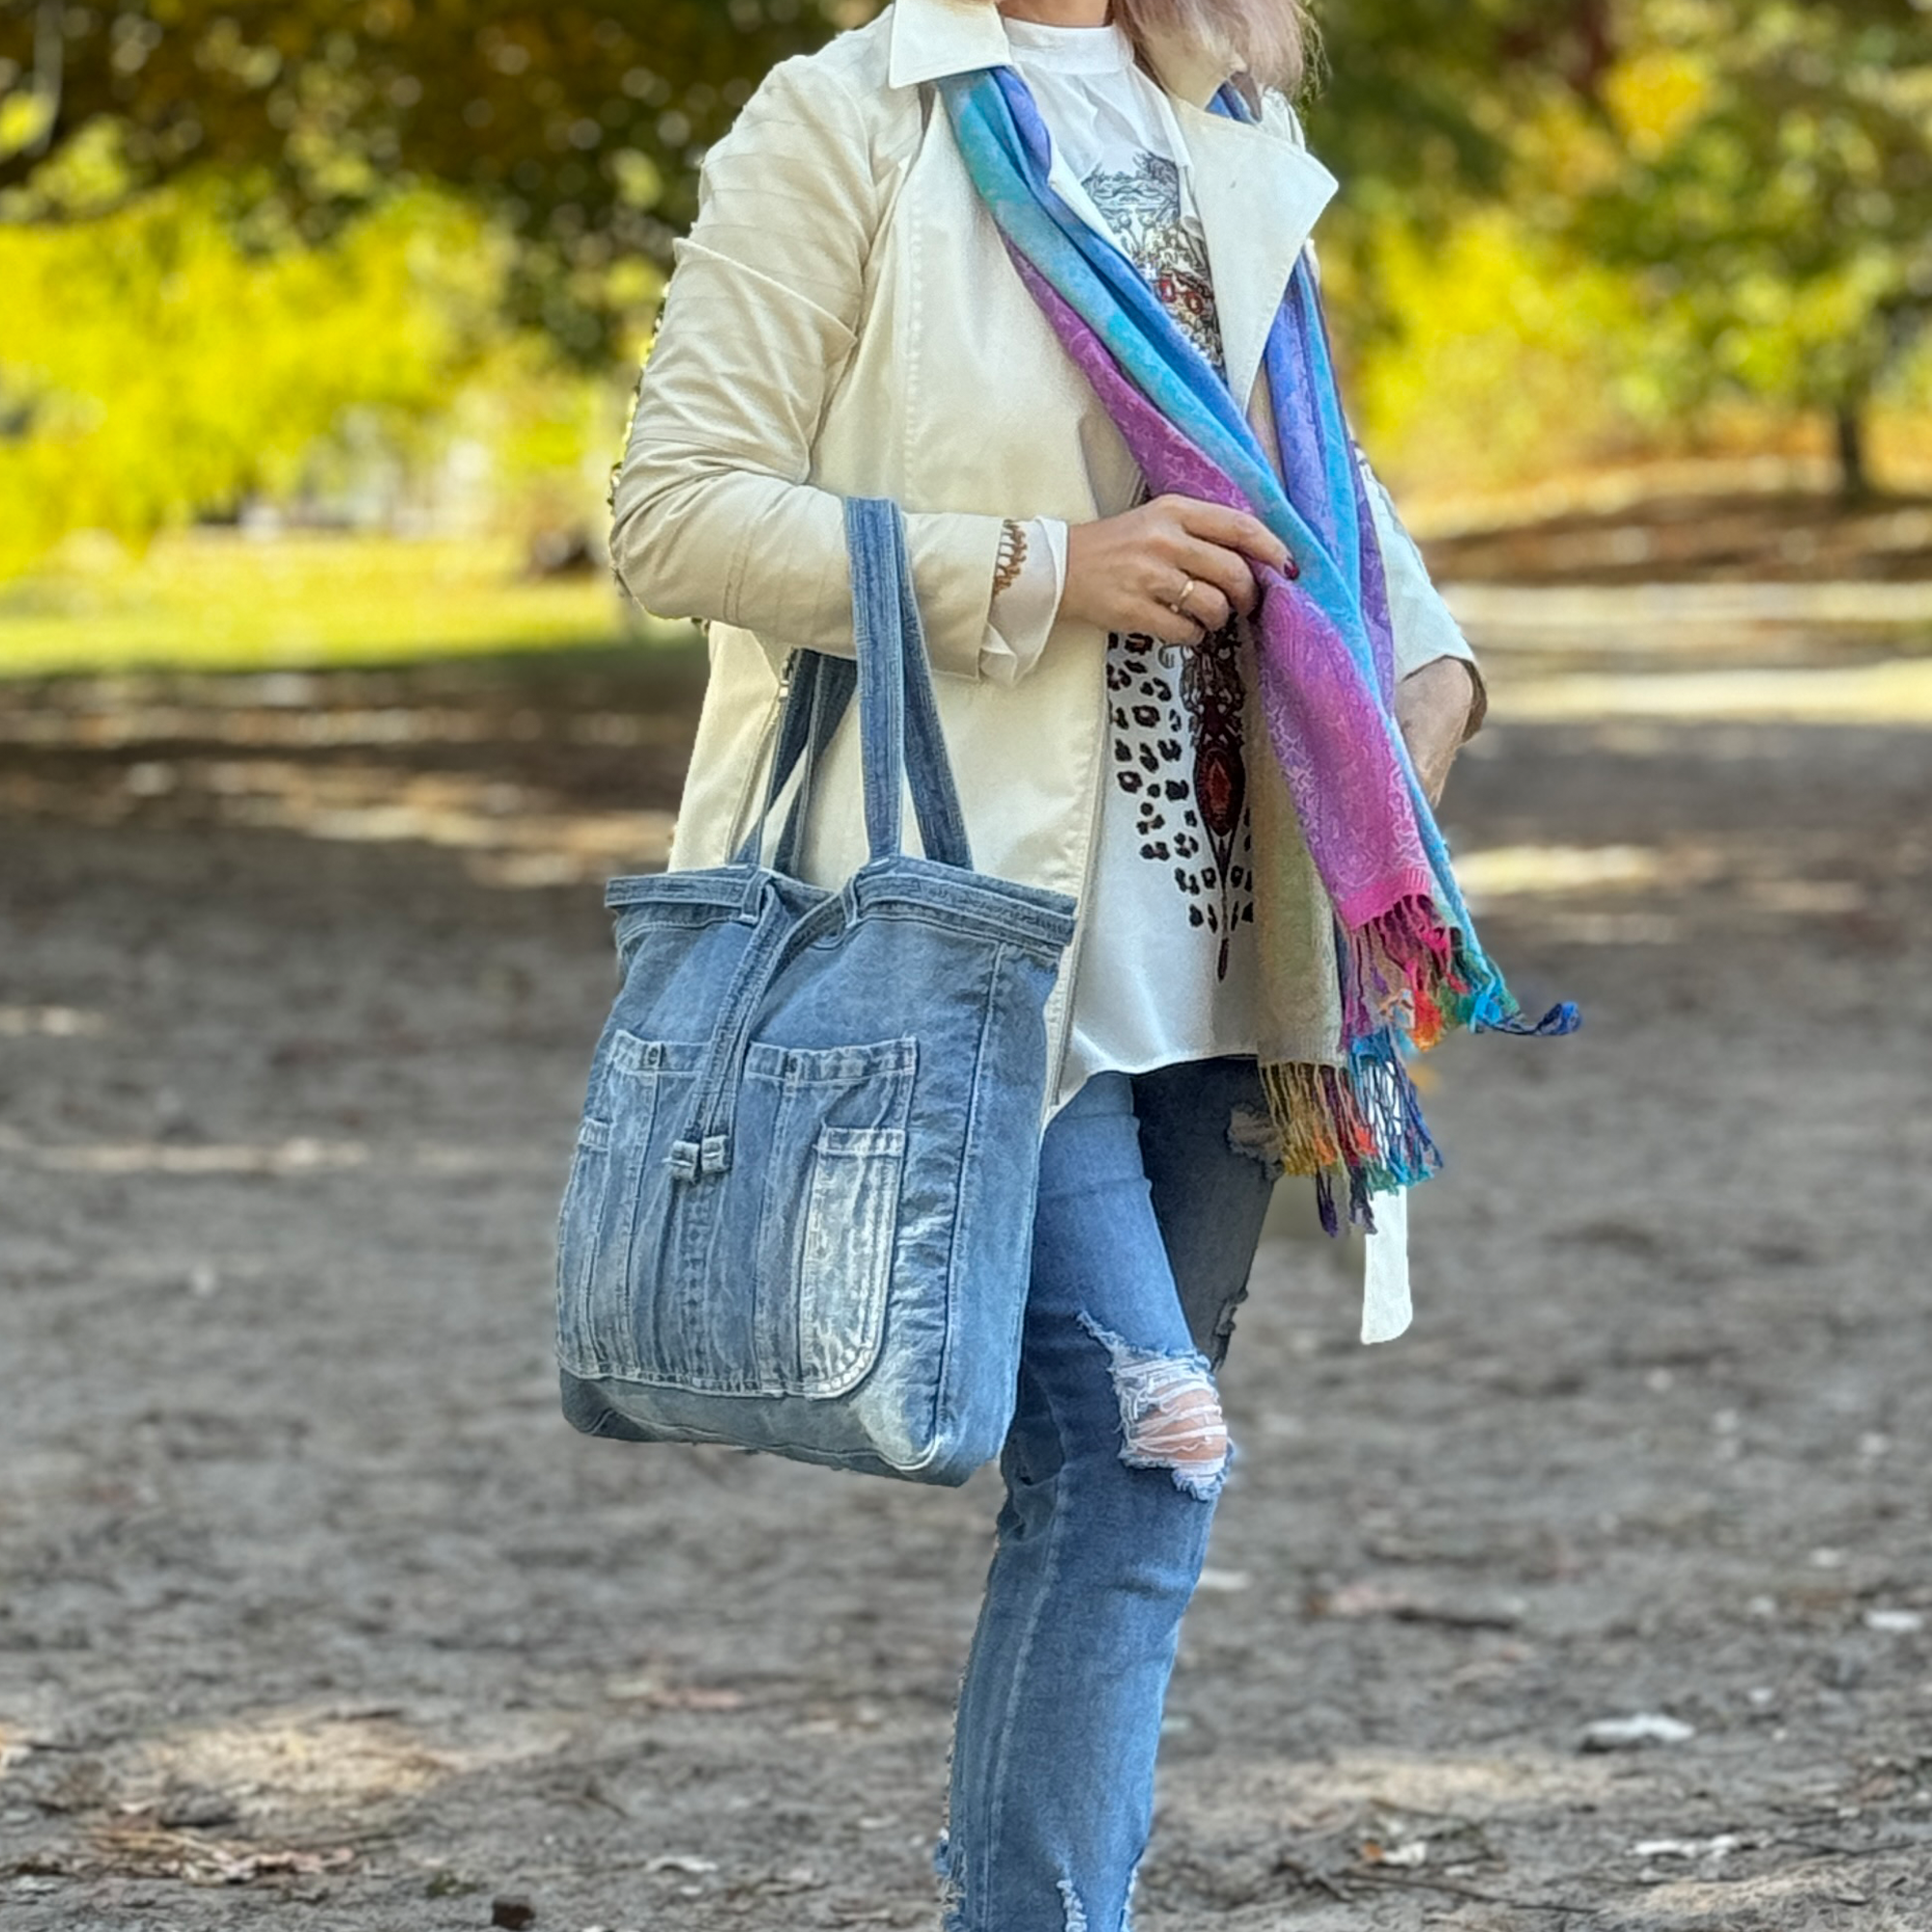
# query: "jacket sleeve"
(714, 513)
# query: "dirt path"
(312, 1609)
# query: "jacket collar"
(1258, 194)
(932, 38)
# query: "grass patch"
(220, 600)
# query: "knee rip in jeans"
(1252, 1132)
(1170, 1413)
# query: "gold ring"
(1180, 603)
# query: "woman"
(845, 320)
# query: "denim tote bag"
(800, 1214)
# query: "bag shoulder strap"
(902, 739)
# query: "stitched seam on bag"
(915, 284)
(952, 921)
(972, 1125)
(832, 1066)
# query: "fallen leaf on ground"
(151, 1852)
(1403, 1856)
(1688, 1848)
(1895, 1622)
(1647, 1727)
(1375, 1600)
(674, 1696)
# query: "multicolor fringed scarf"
(1340, 794)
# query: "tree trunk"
(49, 69)
(1854, 477)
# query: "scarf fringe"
(1404, 976)
(1357, 1129)
(1411, 974)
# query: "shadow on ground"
(314, 1608)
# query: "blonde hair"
(1274, 39)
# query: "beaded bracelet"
(1013, 555)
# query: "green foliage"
(1415, 104)
(575, 127)
(1511, 354)
(163, 362)
(1765, 170)
(1735, 194)
(220, 600)
(251, 247)
(579, 126)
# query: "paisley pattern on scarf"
(1176, 710)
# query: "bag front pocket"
(846, 1256)
(768, 1277)
(829, 1216)
(596, 1226)
(577, 1237)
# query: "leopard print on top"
(1176, 710)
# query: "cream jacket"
(843, 321)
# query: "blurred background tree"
(1622, 219)
(575, 127)
(580, 127)
(1572, 231)
(1764, 168)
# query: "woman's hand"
(1176, 568)
(1172, 569)
(1432, 708)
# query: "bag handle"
(894, 684)
(896, 689)
(899, 712)
(819, 688)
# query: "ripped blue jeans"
(1152, 1190)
